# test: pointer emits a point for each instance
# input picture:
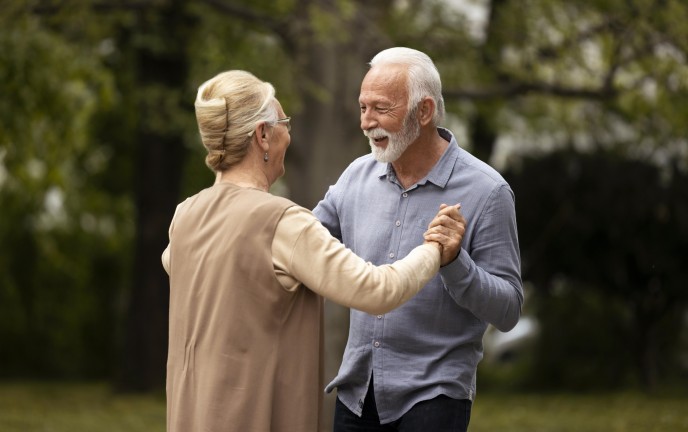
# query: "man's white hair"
(423, 77)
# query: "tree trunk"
(649, 309)
(646, 353)
(157, 186)
(482, 132)
(325, 140)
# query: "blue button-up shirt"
(432, 344)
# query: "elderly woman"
(248, 273)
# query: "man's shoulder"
(362, 162)
(478, 170)
(363, 167)
(469, 169)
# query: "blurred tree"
(156, 58)
(602, 240)
(60, 268)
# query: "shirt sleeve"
(487, 281)
(326, 211)
(305, 253)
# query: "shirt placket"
(378, 327)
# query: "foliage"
(549, 74)
(602, 240)
(61, 234)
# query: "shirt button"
(404, 195)
(379, 317)
(391, 255)
(398, 223)
(376, 344)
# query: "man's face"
(385, 119)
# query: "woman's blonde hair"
(228, 107)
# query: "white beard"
(397, 143)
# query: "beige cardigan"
(245, 333)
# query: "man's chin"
(381, 155)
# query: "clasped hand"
(446, 231)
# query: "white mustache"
(376, 133)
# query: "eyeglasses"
(282, 120)
(286, 122)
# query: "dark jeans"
(441, 414)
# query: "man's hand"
(447, 229)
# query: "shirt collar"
(440, 173)
(383, 169)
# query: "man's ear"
(426, 110)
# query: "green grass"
(614, 412)
(60, 407)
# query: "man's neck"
(420, 157)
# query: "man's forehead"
(386, 73)
(385, 81)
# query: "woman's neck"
(244, 178)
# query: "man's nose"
(368, 121)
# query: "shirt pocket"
(423, 223)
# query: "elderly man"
(414, 369)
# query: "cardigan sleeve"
(304, 253)
(166, 253)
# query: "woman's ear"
(263, 134)
(258, 131)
